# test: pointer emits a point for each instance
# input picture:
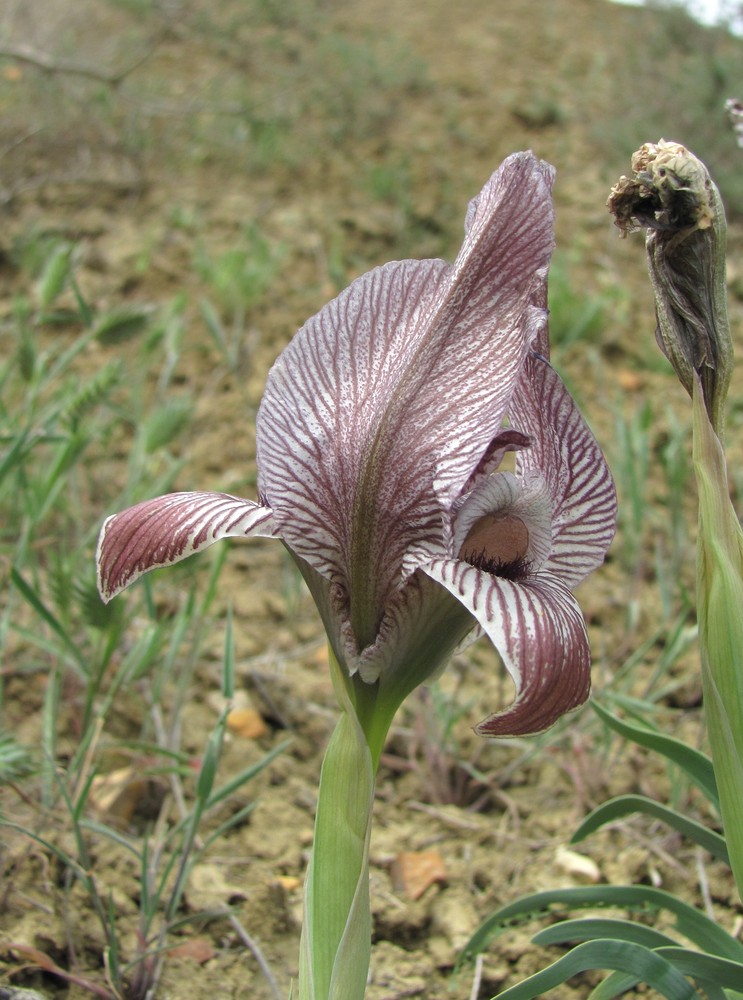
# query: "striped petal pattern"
(379, 410)
(170, 528)
(567, 455)
(538, 629)
(379, 440)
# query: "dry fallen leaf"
(413, 871)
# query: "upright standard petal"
(381, 407)
(170, 528)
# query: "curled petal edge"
(538, 629)
(168, 529)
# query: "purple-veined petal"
(383, 404)
(538, 629)
(170, 528)
(422, 627)
(508, 439)
(579, 482)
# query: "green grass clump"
(78, 387)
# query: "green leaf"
(119, 838)
(618, 983)
(210, 762)
(336, 935)
(705, 968)
(615, 985)
(625, 804)
(690, 922)
(234, 820)
(696, 765)
(729, 768)
(213, 322)
(591, 928)
(43, 611)
(719, 603)
(647, 965)
(86, 313)
(58, 853)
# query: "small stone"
(578, 866)
(246, 723)
(199, 949)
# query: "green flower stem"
(336, 935)
(720, 615)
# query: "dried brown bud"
(673, 196)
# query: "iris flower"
(382, 438)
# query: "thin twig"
(50, 64)
(253, 947)
(174, 778)
(704, 884)
(477, 979)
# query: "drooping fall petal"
(170, 528)
(538, 629)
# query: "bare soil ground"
(404, 111)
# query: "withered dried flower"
(672, 195)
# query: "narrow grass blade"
(119, 838)
(16, 760)
(30, 595)
(22, 444)
(52, 697)
(245, 775)
(624, 805)
(228, 663)
(235, 820)
(66, 859)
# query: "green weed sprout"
(379, 442)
